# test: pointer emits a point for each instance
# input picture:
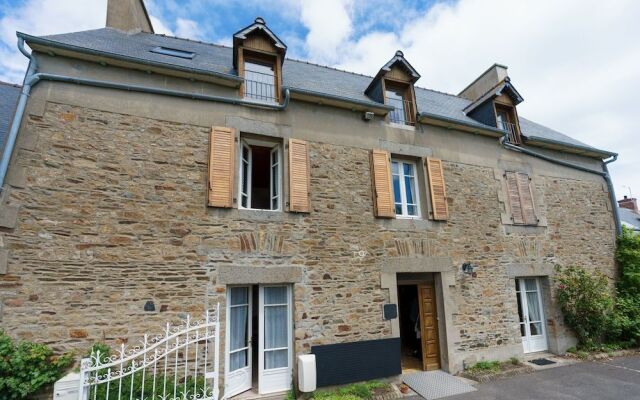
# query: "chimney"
(128, 16)
(485, 82)
(629, 203)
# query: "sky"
(575, 62)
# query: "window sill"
(255, 215)
(410, 224)
(520, 229)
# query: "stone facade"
(112, 214)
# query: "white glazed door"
(238, 354)
(275, 336)
(530, 311)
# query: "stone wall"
(113, 215)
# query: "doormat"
(436, 384)
(542, 361)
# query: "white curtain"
(276, 326)
(238, 321)
(533, 304)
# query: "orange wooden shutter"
(382, 191)
(299, 176)
(514, 197)
(221, 166)
(526, 199)
(438, 189)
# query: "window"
(405, 191)
(260, 81)
(505, 120)
(260, 175)
(173, 52)
(397, 97)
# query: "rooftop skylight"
(167, 51)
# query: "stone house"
(369, 221)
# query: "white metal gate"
(182, 363)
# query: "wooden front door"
(429, 327)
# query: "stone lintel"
(240, 275)
(534, 269)
(417, 264)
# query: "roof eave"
(569, 148)
(339, 101)
(231, 80)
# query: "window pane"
(275, 295)
(396, 189)
(238, 325)
(536, 328)
(412, 210)
(530, 284)
(399, 209)
(409, 188)
(238, 360)
(408, 169)
(259, 81)
(522, 332)
(238, 295)
(275, 327)
(394, 167)
(276, 359)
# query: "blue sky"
(576, 62)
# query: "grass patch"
(486, 366)
(357, 391)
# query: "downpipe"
(605, 174)
(32, 78)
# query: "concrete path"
(590, 380)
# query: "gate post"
(83, 389)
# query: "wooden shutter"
(299, 176)
(381, 181)
(521, 199)
(221, 166)
(438, 190)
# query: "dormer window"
(260, 80)
(393, 86)
(506, 120)
(400, 99)
(258, 55)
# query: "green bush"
(25, 367)
(624, 327)
(134, 389)
(586, 302)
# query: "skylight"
(167, 51)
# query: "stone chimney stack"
(128, 16)
(629, 203)
(482, 84)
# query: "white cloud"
(329, 24)
(577, 63)
(188, 28)
(160, 26)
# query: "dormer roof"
(258, 26)
(398, 59)
(504, 87)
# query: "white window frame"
(403, 191)
(275, 146)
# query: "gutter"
(32, 78)
(576, 146)
(605, 174)
(341, 98)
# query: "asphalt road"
(600, 380)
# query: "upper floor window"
(506, 121)
(260, 80)
(400, 99)
(260, 174)
(405, 191)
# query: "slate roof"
(629, 217)
(9, 94)
(304, 76)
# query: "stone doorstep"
(560, 361)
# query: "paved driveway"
(601, 380)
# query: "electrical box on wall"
(307, 373)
